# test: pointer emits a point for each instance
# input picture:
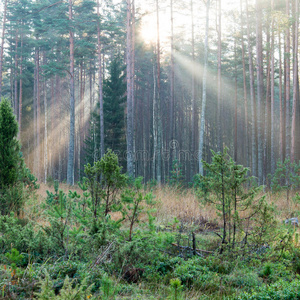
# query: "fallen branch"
(191, 249)
(102, 256)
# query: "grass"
(182, 205)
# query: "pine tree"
(10, 159)
(12, 168)
(114, 90)
(114, 99)
(224, 186)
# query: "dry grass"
(182, 205)
(171, 203)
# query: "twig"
(102, 255)
(189, 248)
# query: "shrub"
(281, 290)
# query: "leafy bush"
(23, 238)
(281, 290)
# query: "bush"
(281, 290)
(23, 237)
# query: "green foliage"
(14, 257)
(46, 289)
(225, 186)
(104, 180)
(281, 290)
(13, 172)
(68, 223)
(114, 89)
(286, 177)
(24, 238)
(134, 203)
(176, 288)
(265, 230)
(67, 292)
(176, 176)
(10, 159)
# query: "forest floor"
(163, 263)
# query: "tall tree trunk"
(16, 74)
(202, 123)
(45, 127)
(287, 84)
(194, 107)
(35, 112)
(52, 152)
(129, 60)
(100, 82)
(273, 162)
(235, 107)
(2, 45)
(252, 97)
(219, 78)
(154, 125)
(159, 124)
(295, 80)
(246, 137)
(281, 116)
(21, 85)
(38, 115)
(260, 90)
(70, 169)
(172, 92)
(266, 121)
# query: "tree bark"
(194, 107)
(100, 82)
(246, 137)
(159, 125)
(287, 85)
(235, 108)
(16, 74)
(202, 123)
(172, 93)
(259, 73)
(21, 85)
(70, 169)
(295, 81)
(129, 60)
(281, 116)
(45, 128)
(2, 45)
(273, 162)
(219, 78)
(38, 115)
(252, 97)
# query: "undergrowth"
(145, 243)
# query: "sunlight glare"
(148, 31)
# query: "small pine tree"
(225, 187)
(104, 180)
(176, 175)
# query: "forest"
(149, 150)
(160, 83)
